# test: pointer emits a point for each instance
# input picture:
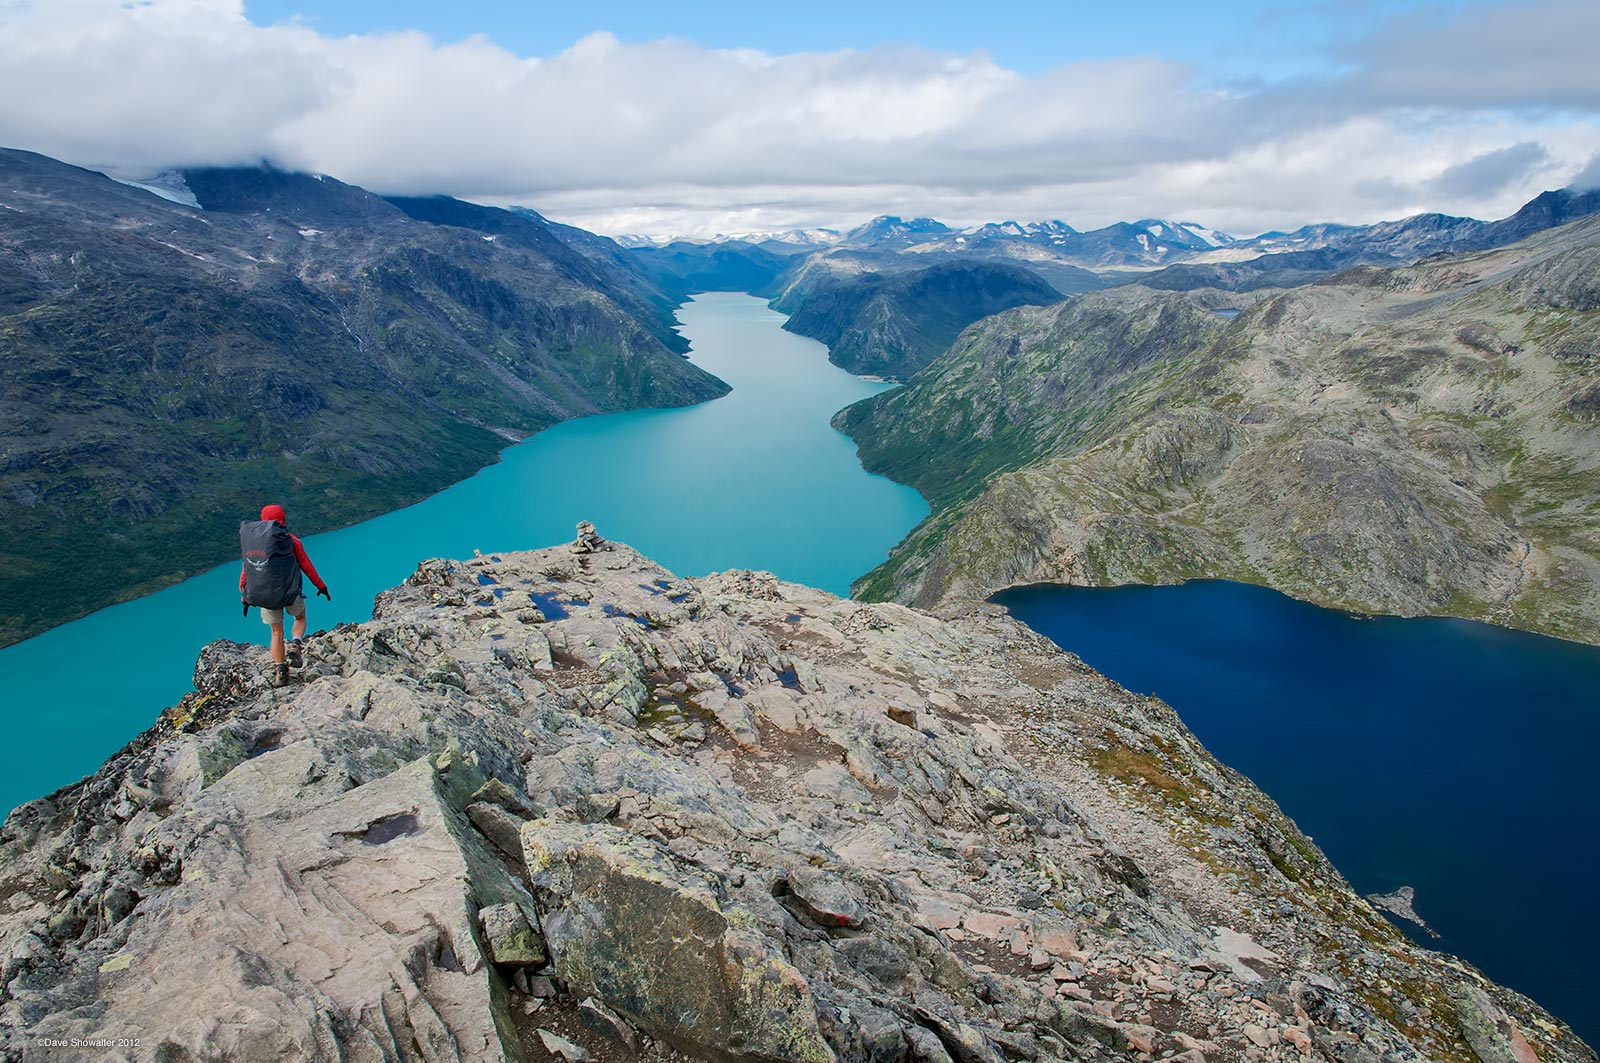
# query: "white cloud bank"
(1470, 116)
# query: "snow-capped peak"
(1209, 236)
(783, 236)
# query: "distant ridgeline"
(1420, 439)
(169, 366)
(891, 295)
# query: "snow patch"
(1209, 236)
(800, 237)
(489, 238)
(169, 185)
(310, 232)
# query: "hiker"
(269, 578)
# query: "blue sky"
(624, 116)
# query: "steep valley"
(1412, 440)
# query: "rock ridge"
(564, 804)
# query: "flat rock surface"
(742, 819)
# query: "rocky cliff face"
(167, 368)
(1409, 441)
(566, 804)
(892, 324)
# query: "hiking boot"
(280, 674)
(295, 660)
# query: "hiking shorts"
(296, 609)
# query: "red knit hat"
(274, 512)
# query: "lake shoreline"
(1332, 607)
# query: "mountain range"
(889, 295)
(1153, 243)
(879, 833)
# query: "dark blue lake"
(1446, 755)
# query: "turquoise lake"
(1450, 756)
(756, 479)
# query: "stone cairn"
(587, 541)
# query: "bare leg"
(277, 642)
(300, 626)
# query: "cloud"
(1537, 54)
(1486, 174)
(1588, 177)
(153, 84)
(670, 136)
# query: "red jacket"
(305, 566)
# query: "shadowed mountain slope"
(892, 324)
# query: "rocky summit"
(563, 804)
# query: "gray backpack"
(271, 571)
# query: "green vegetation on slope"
(1419, 440)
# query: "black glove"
(246, 607)
(322, 592)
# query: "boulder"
(628, 923)
(512, 940)
(498, 825)
(352, 930)
(562, 1048)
